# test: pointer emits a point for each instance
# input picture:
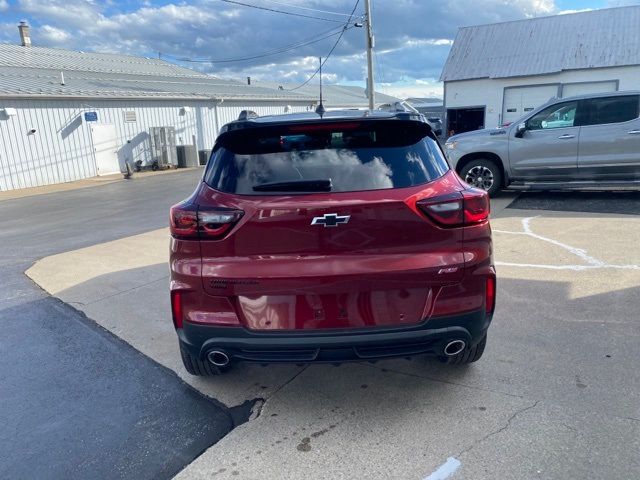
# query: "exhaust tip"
(454, 347)
(218, 358)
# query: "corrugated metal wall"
(61, 148)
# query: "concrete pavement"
(557, 394)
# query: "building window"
(129, 116)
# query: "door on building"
(548, 149)
(583, 88)
(105, 148)
(520, 100)
(461, 120)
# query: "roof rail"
(247, 115)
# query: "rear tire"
(197, 367)
(484, 174)
(468, 355)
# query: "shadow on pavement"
(623, 202)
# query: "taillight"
(447, 210)
(476, 205)
(183, 222)
(192, 223)
(176, 308)
(457, 209)
(215, 223)
(490, 299)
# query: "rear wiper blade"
(323, 185)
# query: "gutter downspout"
(217, 102)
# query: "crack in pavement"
(448, 382)
(261, 402)
(296, 375)
(501, 429)
(631, 418)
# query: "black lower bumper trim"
(429, 337)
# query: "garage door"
(520, 100)
(571, 89)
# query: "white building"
(496, 73)
(67, 115)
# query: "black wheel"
(195, 366)
(484, 174)
(468, 355)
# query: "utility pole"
(320, 110)
(320, 68)
(370, 45)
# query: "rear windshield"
(351, 156)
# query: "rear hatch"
(315, 226)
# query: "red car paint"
(390, 265)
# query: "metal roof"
(537, 46)
(36, 72)
(334, 96)
(59, 59)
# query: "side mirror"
(520, 129)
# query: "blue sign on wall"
(91, 116)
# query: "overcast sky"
(413, 37)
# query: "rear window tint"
(615, 109)
(355, 157)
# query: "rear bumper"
(429, 337)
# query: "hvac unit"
(203, 156)
(163, 146)
(187, 156)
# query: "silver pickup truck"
(585, 141)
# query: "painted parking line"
(445, 470)
(592, 263)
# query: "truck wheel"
(468, 355)
(484, 174)
(197, 367)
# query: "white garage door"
(571, 89)
(520, 100)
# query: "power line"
(344, 29)
(285, 48)
(308, 8)
(283, 12)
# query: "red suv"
(329, 239)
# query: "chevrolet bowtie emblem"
(330, 220)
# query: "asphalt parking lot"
(75, 400)
(556, 395)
